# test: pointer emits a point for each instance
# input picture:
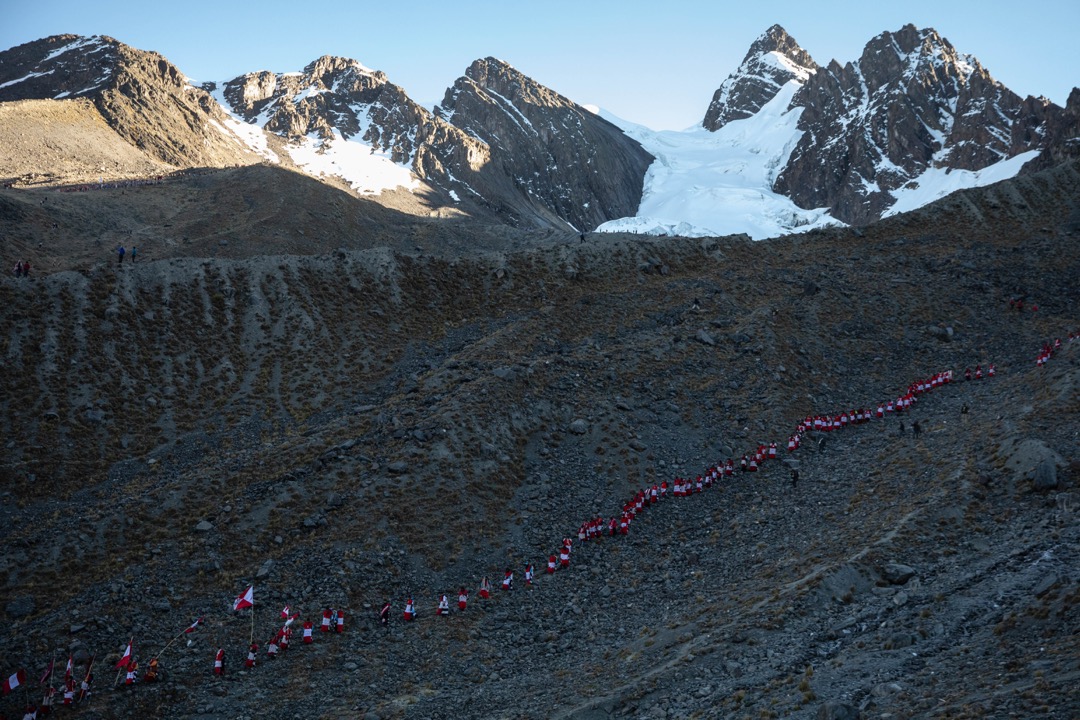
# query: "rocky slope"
(366, 423)
(552, 150)
(139, 94)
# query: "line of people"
(1050, 347)
(590, 530)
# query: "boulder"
(1045, 476)
(897, 573)
(579, 426)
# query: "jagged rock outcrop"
(501, 141)
(555, 152)
(140, 94)
(336, 96)
(911, 104)
(773, 60)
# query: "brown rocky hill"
(144, 98)
(364, 422)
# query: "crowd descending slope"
(77, 685)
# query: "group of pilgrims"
(1049, 348)
(593, 529)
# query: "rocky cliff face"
(500, 141)
(335, 94)
(556, 153)
(773, 60)
(141, 95)
(910, 104)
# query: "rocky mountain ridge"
(871, 136)
(911, 106)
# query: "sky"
(655, 63)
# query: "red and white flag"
(16, 679)
(126, 657)
(291, 619)
(48, 673)
(285, 612)
(245, 600)
(70, 668)
(194, 625)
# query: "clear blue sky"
(655, 63)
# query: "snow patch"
(251, 135)
(936, 183)
(365, 169)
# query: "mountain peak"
(335, 65)
(774, 59)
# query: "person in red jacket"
(462, 599)
(485, 588)
(410, 611)
(551, 563)
(219, 663)
(307, 632)
(508, 580)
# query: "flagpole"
(121, 670)
(183, 632)
(252, 639)
(88, 669)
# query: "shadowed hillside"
(357, 419)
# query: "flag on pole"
(126, 657)
(17, 678)
(70, 668)
(291, 619)
(285, 612)
(245, 600)
(194, 625)
(48, 673)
